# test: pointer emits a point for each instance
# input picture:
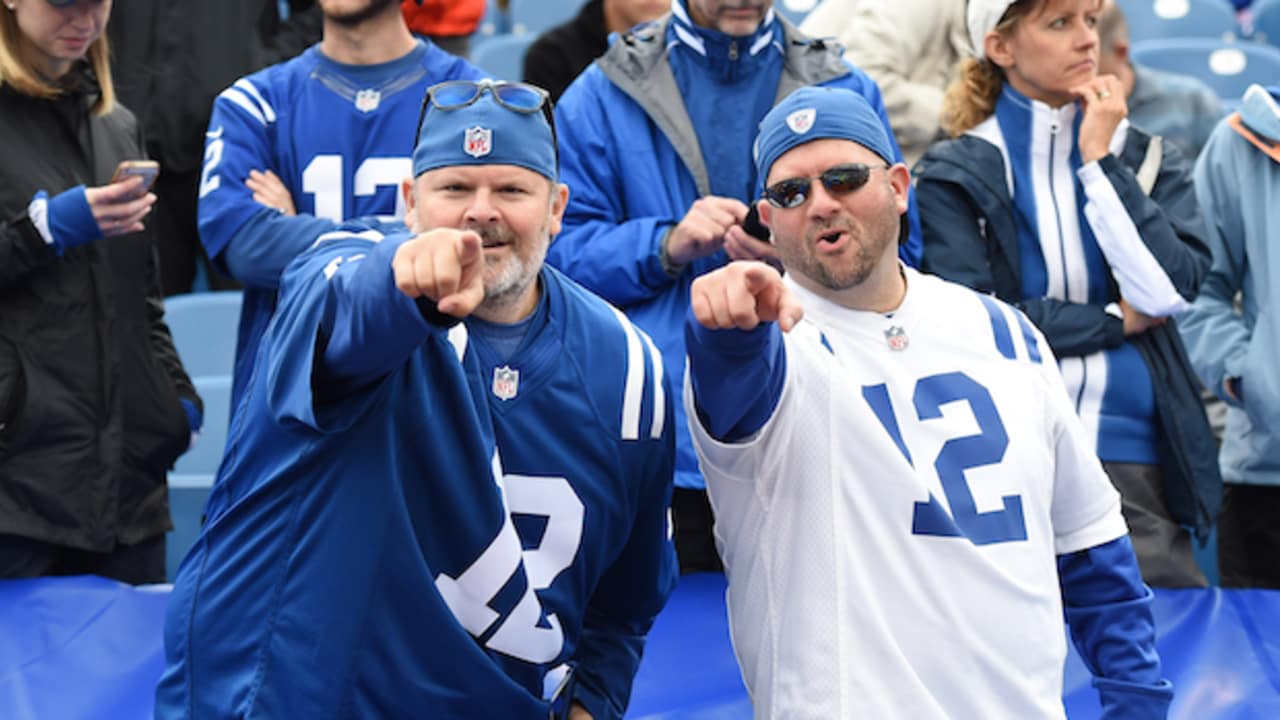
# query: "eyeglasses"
(517, 97)
(522, 98)
(839, 180)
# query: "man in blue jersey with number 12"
(905, 499)
(297, 148)
(366, 553)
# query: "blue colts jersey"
(338, 541)
(373, 552)
(340, 138)
(583, 419)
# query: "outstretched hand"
(742, 295)
(444, 265)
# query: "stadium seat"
(1266, 23)
(794, 10)
(494, 23)
(532, 17)
(1228, 68)
(1158, 19)
(502, 56)
(204, 327)
(187, 497)
(215, 391)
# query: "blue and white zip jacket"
(1065, 241)
(666, 116)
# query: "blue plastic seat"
(502, 56)
(204, 327)
(187, 497)
(1228, 68)
(1266, 23)
(533, 17)
(1157, 19)
(495, 22)
(215, 391)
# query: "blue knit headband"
(815, 113)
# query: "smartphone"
(751, 224)
(145, 169)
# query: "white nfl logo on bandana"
(368, 100)
(801, 121)
(506, 382)
(478, 141)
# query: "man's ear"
(406, 192)
(765, 210)
(900, 181)
(559, 201)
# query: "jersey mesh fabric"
(858, 584)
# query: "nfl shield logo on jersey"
(801, 120)
(506, 382)
(478, 142)
(367, 100)
(896, 337)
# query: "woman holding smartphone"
(94, 403)
(1049, 199)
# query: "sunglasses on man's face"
(839, 180)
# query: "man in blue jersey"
(366, 552)
(297, 148)
(905, 498)
(656, 138)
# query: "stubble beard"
(356, 17)
(868, 240)
(507, 279)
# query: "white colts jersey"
(890, 533)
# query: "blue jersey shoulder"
(615, 358)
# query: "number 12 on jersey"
(956, 456)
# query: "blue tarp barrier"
(84, 647)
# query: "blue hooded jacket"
(643, 135)
(1237, 182)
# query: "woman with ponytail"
(1047, 198)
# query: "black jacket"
(560, 54)
(90, 383)
(172, 57)
(970, 238)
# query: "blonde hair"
(971, 97)
(22, 77)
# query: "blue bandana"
(815, 113)
(485, 133)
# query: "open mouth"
(830, 237)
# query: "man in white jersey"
(906, 501)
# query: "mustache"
(491, 235)
(822, 227)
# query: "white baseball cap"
(982, 17)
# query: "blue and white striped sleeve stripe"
(244, 95)
(638, 346)
(1012, 333)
